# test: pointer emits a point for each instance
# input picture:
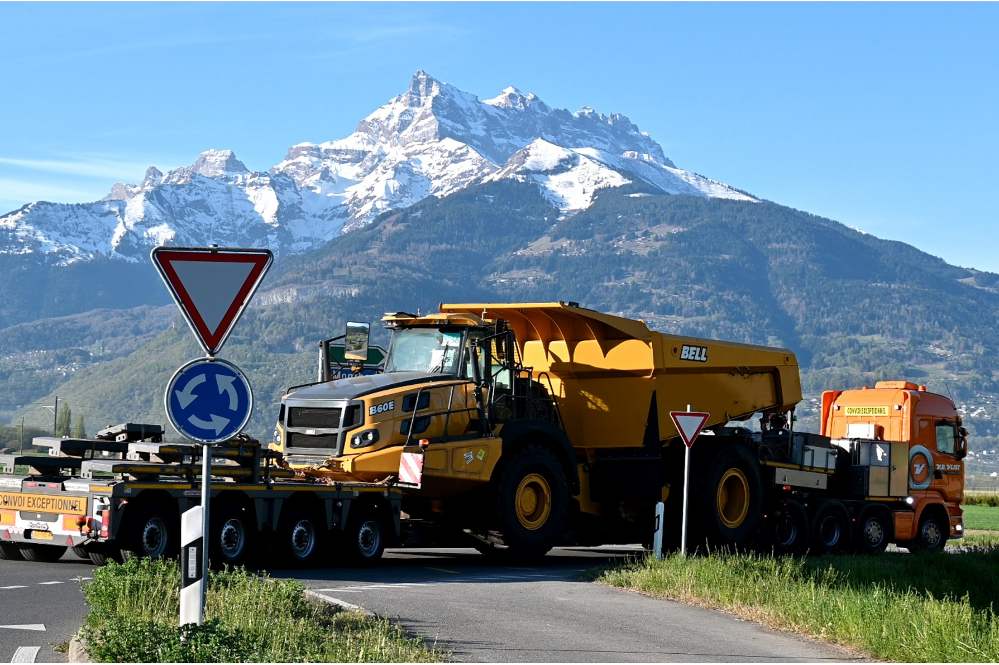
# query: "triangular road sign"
(211, 286)
(689, 424)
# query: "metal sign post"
(688, 425)
(208, 400)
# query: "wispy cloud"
(88, 166)
(15, 192)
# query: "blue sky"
(884, 117)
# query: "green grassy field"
(923, 608)
(134, 611)
(981, 517)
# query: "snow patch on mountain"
(431, 140)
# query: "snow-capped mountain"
(432, 140)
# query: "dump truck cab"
(933, 444)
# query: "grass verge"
(249, 618)
(980, 498)
(981, 516)
(926, 608)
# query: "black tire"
(102, 554)
(831, 529)
(532, 503)
(81, 552)
(10, 552)
(47, 553)
(233, 536)
(301, 537)
(932, 533)
(789, 530)
(151, 534)
(365, 536)
(727, 505)
(873, 532)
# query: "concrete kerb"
(77, 650)
(336, 602)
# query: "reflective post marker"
(192, 578)
(657, 537)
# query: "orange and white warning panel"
(411, 469)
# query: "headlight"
(909, 500)
(363, 439)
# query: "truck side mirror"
(355, 342)
(962, 443)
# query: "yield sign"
(689, 424)
(212, 286)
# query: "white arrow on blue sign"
(209, 400)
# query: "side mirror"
(962, 443)
(355, 342)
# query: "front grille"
(299, 440)
(316, 418)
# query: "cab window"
(946, 438)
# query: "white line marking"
(25, 626)
(16, 586)
(443, 570)
(339, 603)
(52, 582)
(25, 655)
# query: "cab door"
(948, 466)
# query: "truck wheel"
(151, 535)
(9, 552)
(532, 501)
(46, 553)
(102, 554)
(301, 538)
(831, 529)
(365, 536)
(932, 534)
(790, 529)
(81, 552)
(731, 499)
(232, 537)
(874, 531)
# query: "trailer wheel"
(9, 552)
(790, 529)
(232, 536)
(81, 552)
(831, 529)
(300, 537)
(150, 534)
(365, 535)
(102, 554)
(47, 553)
(532, 499)
(874, 531)
(729, 504)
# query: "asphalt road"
(458, 602)
(41, 606)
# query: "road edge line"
(77, 652)
(336, 602)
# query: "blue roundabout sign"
(209, 400)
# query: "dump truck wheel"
(102, 554)
(873, 532)
(9, 552)
(532, 501)
(81, 552)
(790, 529)
(730, 500)
(831, 529)
(46, 553)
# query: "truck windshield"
(424, 350)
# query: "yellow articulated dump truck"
(518, 427)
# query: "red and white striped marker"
(411, 469)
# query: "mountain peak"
(213, 163)
(423, 85)
(512, 98)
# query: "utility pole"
(55, 417)
(20, 437)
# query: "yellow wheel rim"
(732, 498)
(534, 501)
